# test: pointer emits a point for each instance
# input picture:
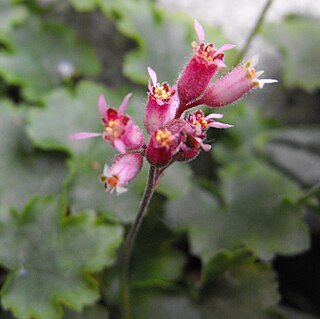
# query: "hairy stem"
(130, 241)
(254, 30)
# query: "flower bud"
(228, 89)
(125, 168)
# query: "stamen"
(114, 128)
(162, 92)
(164, 138)
(112, 182)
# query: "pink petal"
(119, 145)
(206, 147)
(153, 76)
(214, 116)
(159, 102)
(225, 47)
(219, 125)
(150, 86)
(102, 105)
(124, 103)
(219, 63)
(199, 30)
(83, 135)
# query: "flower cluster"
(173, 134)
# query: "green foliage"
(50, 257)
(35, 65)
(10, 15)
(301, 68)
(245, 290)
(257, 213)
(294, 149)
(94, 312)
(162, 39)
(24, 172)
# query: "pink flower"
(201, 123)
(192, 137)
(162, 104)
(241, 80)
(124, 169)
(119, 129)
(198, 73)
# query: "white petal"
(266, 81)
(153, 76)
(120, 190)
(106, 170)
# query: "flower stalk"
(130, 241)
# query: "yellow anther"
(204, 123)
(114, 128)
(164, 138)
(252, 73)
(161, 93)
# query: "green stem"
(254, 30)
(130, 241)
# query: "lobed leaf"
(301, 67)
(49, 258)
(43, 54)
(24, 171)
(259, 214)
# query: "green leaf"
(39, 50)
(24, 172)
(157, 304)
(176, 181)
(156, 262)
(245, 291)
(238, 143)
(94, 312)
(164, 40)
(293, 150)
(301, 68)
(84, 5)
(10, 15)
(259, 213)
(50, 258)
(65, 114)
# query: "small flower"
(124, 169)
(192, 138)
(119, 129)
(162, 146)
(162, 104)
(201, 123)
(228, 89)
(198, 73)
